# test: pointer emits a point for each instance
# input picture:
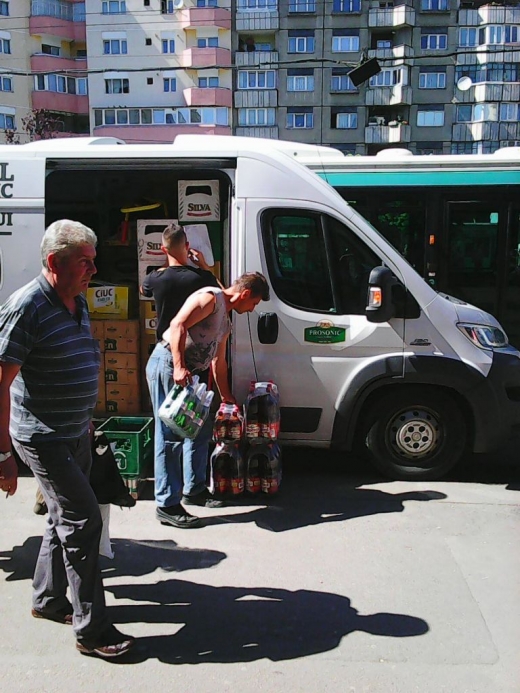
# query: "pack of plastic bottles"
(226, 470)
(229, 424)
(185, 409)
(262, 412)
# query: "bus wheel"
(416, 435)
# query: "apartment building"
(15, 95)
(293, 59)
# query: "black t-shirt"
(171, 287)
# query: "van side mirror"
(380, 307)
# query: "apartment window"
(60, 84)
(468, 37)
(169, 84)
(117, 86)
(256, 117)
(383, 44)
(300, 118)
(346, 6)
(432, 78)
(257, 5)
(434, 5)
(6, 121)
(6, 84)
(300, 80)
(160, 116)
(210, 42)
(168, 45)
(169, 6)
(208, 82)
(113, 7)
(434, 41)
(388, 77)
(345, 119)
(207, 3)
(468, 113)
(115, 47)
(5, 46)
(256, 79)
(489, 72)
(300, 41)
(497, 35)
(345, 40)
(51, 50)
(430, 116)
(340, 81)
(146, 3)
(302, 5)
(510, 112)
(428, 148)
(81, 86)
(4, 8)
(474, 147)
(81, 53)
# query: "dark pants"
(69, 554)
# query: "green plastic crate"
(133, 438)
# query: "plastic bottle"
(237, 470)
(272, 469)
(220, 470)
(252, 422)
(254, 464)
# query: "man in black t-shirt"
(177, 479)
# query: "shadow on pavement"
(240, 624)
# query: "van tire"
(415, 434)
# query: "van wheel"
(418, 435)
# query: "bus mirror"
(380, 307)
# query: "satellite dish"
(464, 83)
(178, 4)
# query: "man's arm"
(9, 468)
(219, 369)
(196, 308)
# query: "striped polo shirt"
(54, 394)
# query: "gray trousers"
(69, 554)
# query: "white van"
(364, 352)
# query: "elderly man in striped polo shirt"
(49, 366)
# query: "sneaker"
(203, 499)
(177, 516)
(111, 643)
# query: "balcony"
(255, 58)
(259, 19)
(402, 15)
(388, 134)
(268, 132)
(485, 130)
(195, 17)
(256, 98)
(195, 96)
(206, 57)
(41, 62)
(490, 91)
(60, 103)
(53, 26)
(489, 15)
(388, 96)
(394, 53)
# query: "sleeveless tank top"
(203, 339)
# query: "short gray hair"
(63, 236)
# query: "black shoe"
(126, 500)
(203, 499)
(177, 516)
(111, 643)
(63, 615)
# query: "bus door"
(510, 314)
(472, 252)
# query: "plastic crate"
(133, 438)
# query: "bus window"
(511, 306)
(403, 223)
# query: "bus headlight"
(484, 336)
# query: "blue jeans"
(180, 465)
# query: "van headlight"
(484, 336)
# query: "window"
(474, 113)
(256, 79)
(383, 44)
(489, 72)
(430, 116)
(210, 42)
(498, 34)
(344, 120)
(388, 77)
(256, 117)
(432, 80)
(300, 80)
(5, 46)
(61, 84)
(345, 41)
(434, 42)
(429, 148)
(168, 6)
(6, 121)
(113, 7)
(207, 3)
(51, 50)
(346, 6)
(434, 5)
(6, 84)
(117, 86)
(168, 45)
(316, 263)
(169, 84)
(340, 81)
(114, 47)
(302, 5)
(160, 116)
(468, 37)
(4, 8)
(208, 82)
(300, 117)
(268, 5)
(510, 112)
(474, 147)
(300, 41)
(81, 53)
(148, 42)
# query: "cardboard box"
(122, 336)
(123, 399)
(97, 330)
(121, 361)
(148, 317)
(100, 403)
(107, 301)
(122, 376)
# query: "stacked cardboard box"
(122, 374)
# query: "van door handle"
(267, 328)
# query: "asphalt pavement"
(342, 583)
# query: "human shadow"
(132, 557)
(242, 624)
(313, 504)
